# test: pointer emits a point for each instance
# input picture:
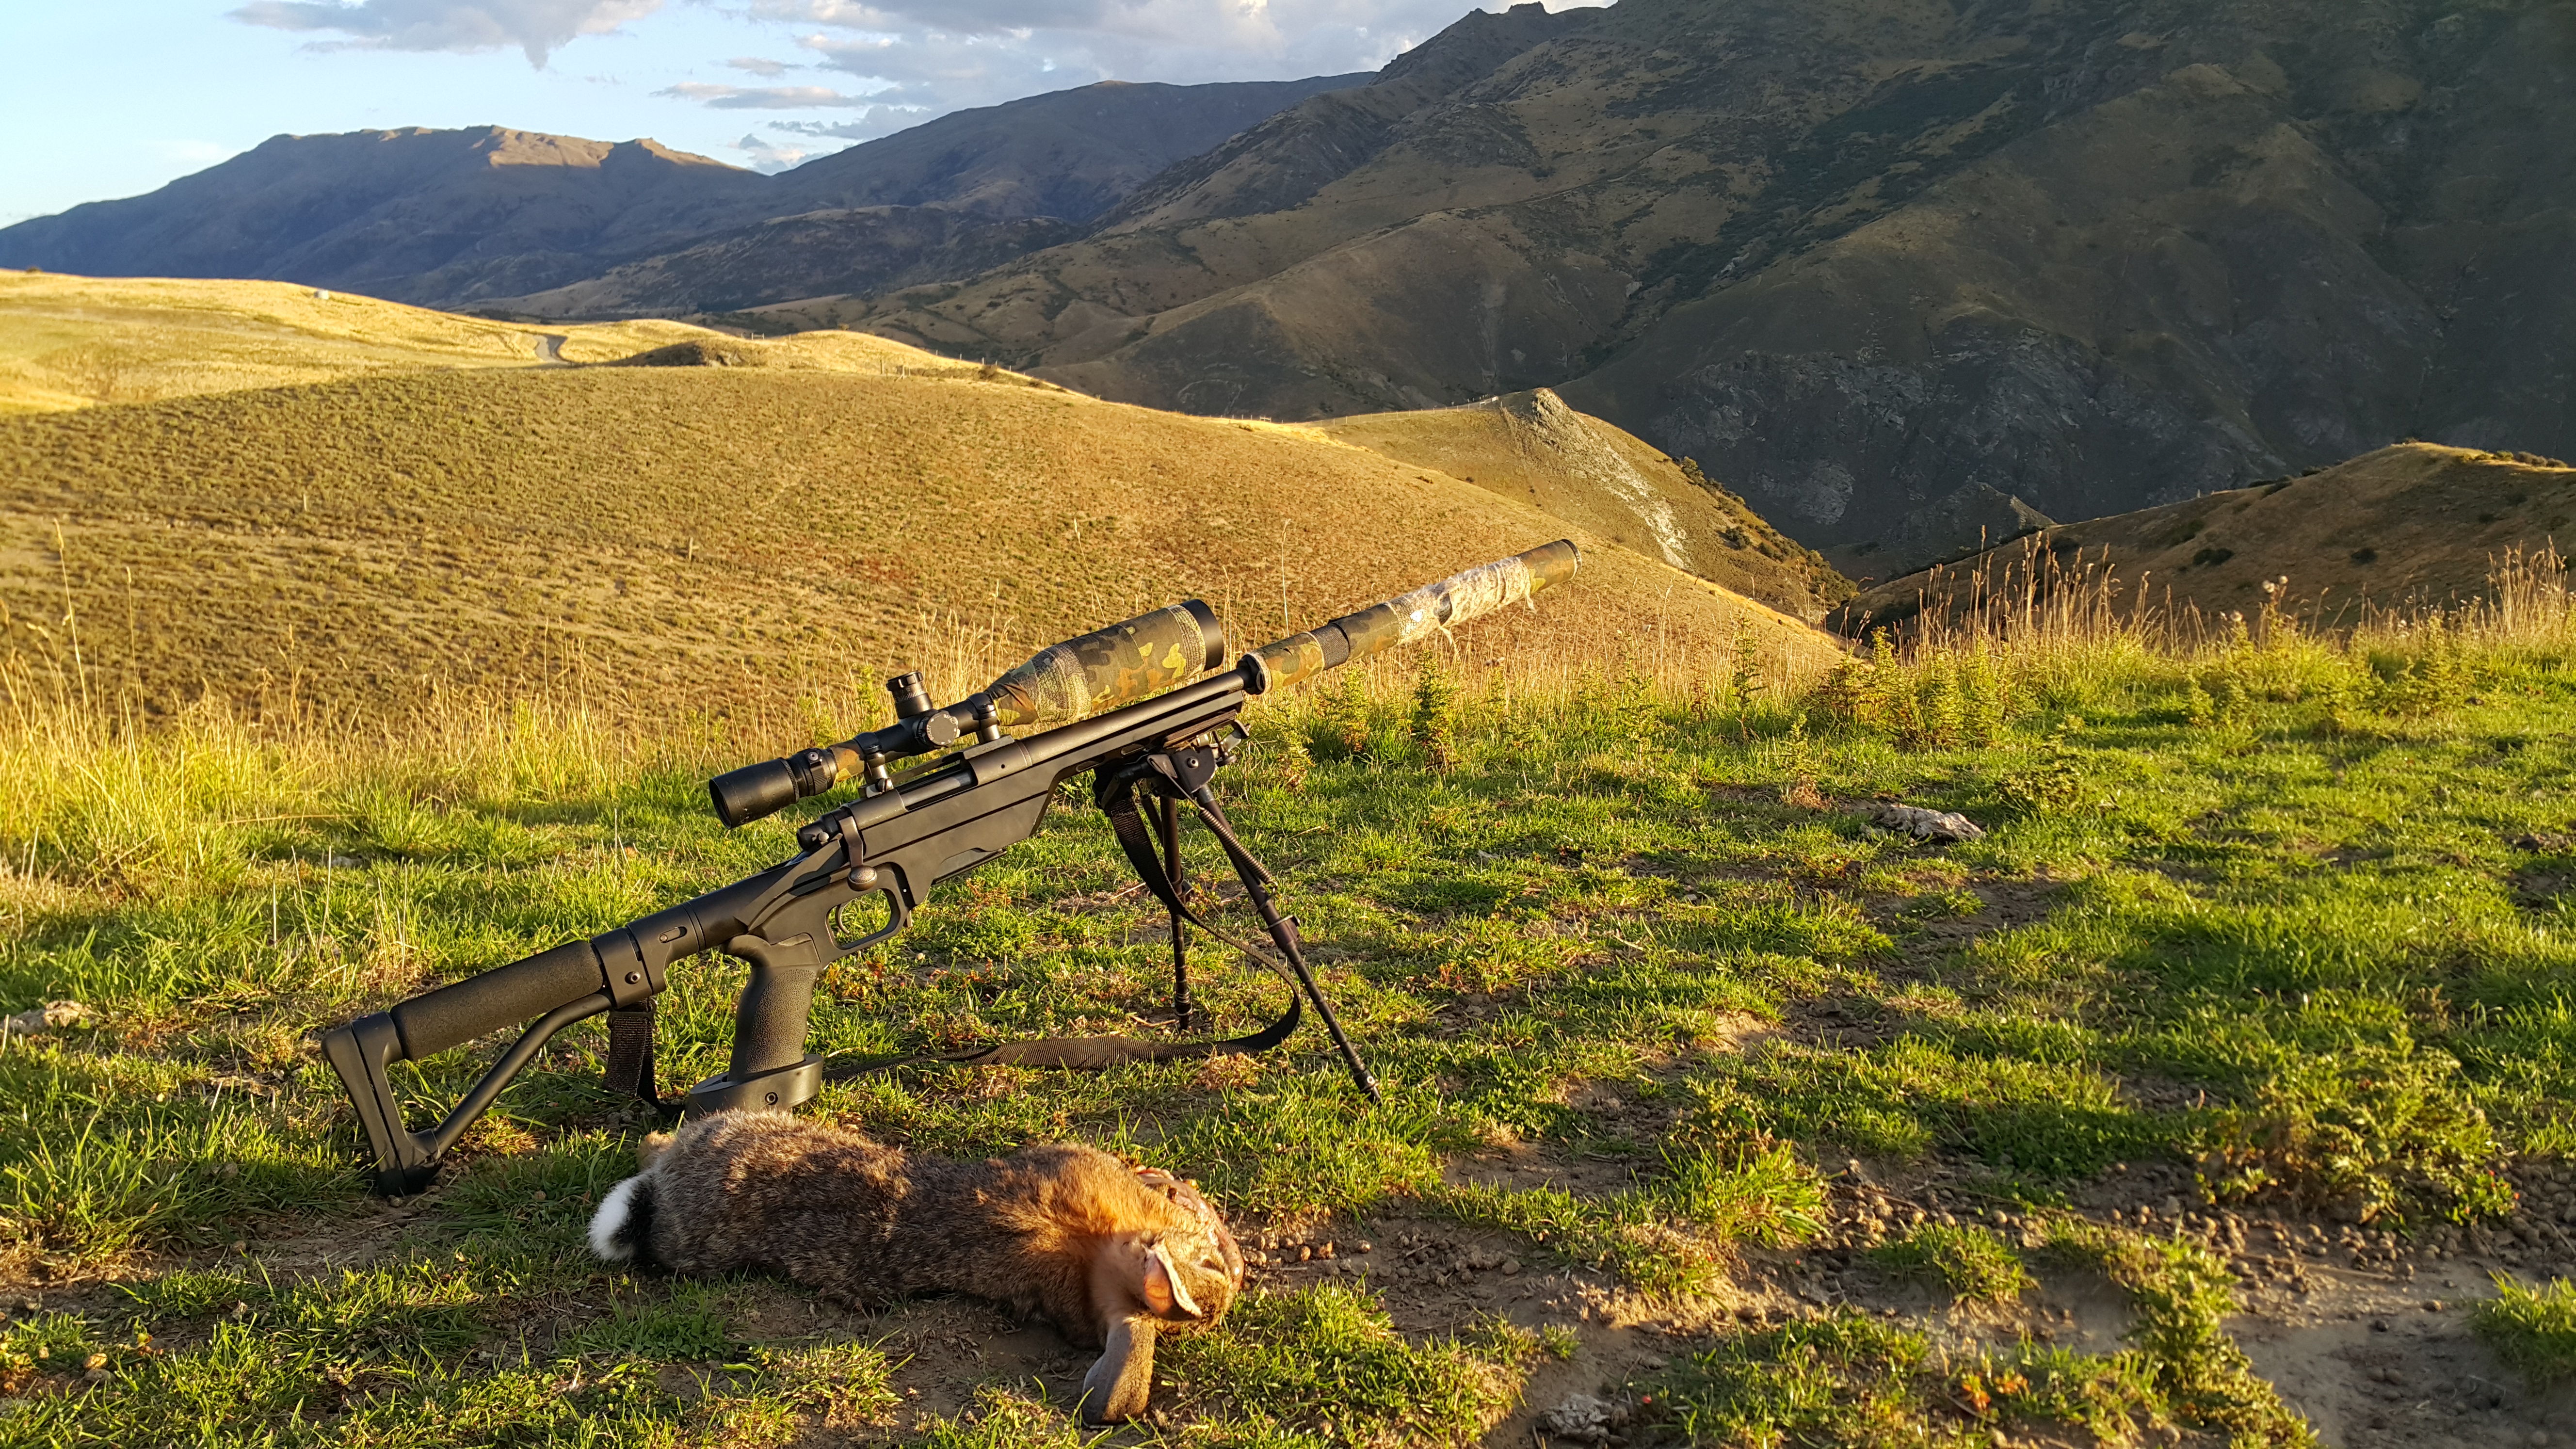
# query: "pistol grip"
(771, 1070)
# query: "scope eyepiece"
(744, 795)
(910, 699)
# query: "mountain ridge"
(1855, 258)
(484, 216)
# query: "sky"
(113, 99)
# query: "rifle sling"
(630, 1051)
(1093, 1053)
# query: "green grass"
(2292, 947)
(2534, 1329)
(1971, 1262)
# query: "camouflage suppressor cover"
(1408, 618)
(1110, 667)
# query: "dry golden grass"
(686, 541)
(72, 342)
(1530, 446)
(2378, 538)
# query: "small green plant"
(1974, 1263)
(2179, 1299)
(2049, 785)
(2376, 1132)
(1342, 725)
(1435, 713)
(2198, 708)
(2534, 1329)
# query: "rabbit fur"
(1110, 1254)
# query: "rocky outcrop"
(1532, 448)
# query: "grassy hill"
(2397, 529)
(1532, 447)
(70, 342)
(687, 538)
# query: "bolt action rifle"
(1124, 703)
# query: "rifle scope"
(1126, 662)
(1099, 670)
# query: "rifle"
(1124, 703)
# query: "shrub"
(1435, 713)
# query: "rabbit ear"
(1163, 1287)
(1119, 1384)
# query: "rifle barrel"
(1406, 618)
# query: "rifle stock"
(900, 838)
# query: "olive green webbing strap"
(1092, 1053)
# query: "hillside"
(1070, 154)
(1531, 447)
(476, 217)
(68, 342)
(1856, 257)
(2404, 526)
(687, 538)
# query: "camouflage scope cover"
(1110, 667)
(1410, 617)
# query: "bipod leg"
(1283, 931)
(1167, 822)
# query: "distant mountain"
(1068, 154)
(469, 218)
(1859, 259)
(419, 216)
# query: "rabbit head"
(1180, 1275)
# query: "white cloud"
(766, 155)
(536, 27)
(766, 69)
(196, 154)
(940, 55)
(763, 98)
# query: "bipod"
(1187, 773)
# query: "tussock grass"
(1973, 1263)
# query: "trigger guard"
(898, 916)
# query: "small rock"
(341, 862)
(49, 1016)
(1940, 825)
(1585, 1418)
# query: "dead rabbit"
(1111, 1254)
